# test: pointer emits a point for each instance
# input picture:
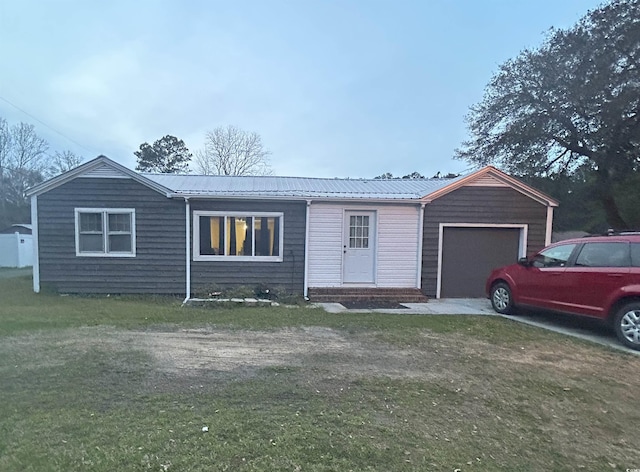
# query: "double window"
(105, 232)
(237, 236)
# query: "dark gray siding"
(159, 265)
(288, 274)
(490, 205)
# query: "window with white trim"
(105, 232)
(237, 236)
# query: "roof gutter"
(404, 201)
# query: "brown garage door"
(469, 255)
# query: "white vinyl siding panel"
(398, 235)
(396, 243)
(325, 245)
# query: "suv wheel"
(626, 324)
(501, 299)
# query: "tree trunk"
(605, 195)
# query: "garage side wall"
(473, 205)
(159, 264)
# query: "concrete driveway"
(441, 306)
(583, 328)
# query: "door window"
(358, 231)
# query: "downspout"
(547, 237)
(420, 237)
(35, 242)
(306, 252)
(188, 250)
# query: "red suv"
(594, 276)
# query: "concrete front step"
(328, 299)
(351, 294)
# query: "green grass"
(24, 311)
(79, 390)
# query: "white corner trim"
(36, 245)
(549, 230)
(420, 238)
(188, 250)
(306, 250)
(522, 246)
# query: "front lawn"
(131, 383)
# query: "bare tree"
(23, 162)
(27, 160)
(232, 151)
(62, 162)
(5, 148)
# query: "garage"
(469, 254)
(485, 220)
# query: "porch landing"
(354, 294)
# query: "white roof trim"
(94, 168)
(475, 179)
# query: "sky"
(335, 88)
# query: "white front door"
(359, 247)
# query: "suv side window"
(604, 255)
(635, 254)
(554, 256)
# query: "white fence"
(16, 250)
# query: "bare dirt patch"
(190, 352)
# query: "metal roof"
(297, 187)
